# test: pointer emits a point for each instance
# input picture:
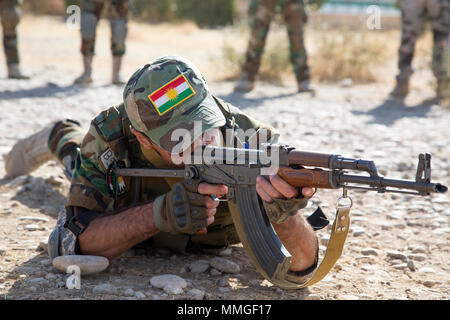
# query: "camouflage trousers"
(10, 17)
(116, 13)
(414, 15)
(66, 138)
(261, 13)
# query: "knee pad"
(10, 19)
(88, 25)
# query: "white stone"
(168, 279)
(196, 294)
(31, 218)
(32, 227)
(225, 265)
(87, 264)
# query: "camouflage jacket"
(109, 139)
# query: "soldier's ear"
(143, 140)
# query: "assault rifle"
(238, 168)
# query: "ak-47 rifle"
(238, 169)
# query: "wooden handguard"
(314, 178)
(309, 159)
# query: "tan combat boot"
(244, 84)
(86, 76)
(116, 78)
(401, 90)
(29, 154)
(14, 72)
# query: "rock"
(172, 289)
(51, 276)
(357, 231)
(215, 272)
(39, 281)
(104, 288)
(369, 252)
(429, 283)
(225, 265)
(418, 249)
(196, 294)
(400, 266)
(417, 257)
(129, 292)
(87, 264)
(199, 266)
(139, 295)
(43, 244)
(411, 265)
(226, 252)
(46, 262)
(32, 227)
(426, 270)
(31, 218)
(3, 250)
(170, 283)
(396, 255)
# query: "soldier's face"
(211, 137)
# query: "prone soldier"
(261, 12)
(414, 13)
(10, 17)
(107, 214)
(117, 13)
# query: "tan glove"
(182, 210)
(281, 209)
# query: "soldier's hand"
(280, 199)
(188, 207)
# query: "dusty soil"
(397, 246)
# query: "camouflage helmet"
(170, 94)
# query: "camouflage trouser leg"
(10, 17)
(118, 16)
(413, 15)
(65, 138)
(90, 15)
(439, 15)
(61, 241)
(261, 13)
(295, 18)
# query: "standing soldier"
(414, 13)
(10, 17)
(261, 12)
(117, 14)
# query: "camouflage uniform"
(10, 17)
(261, 12)
(109, 139)
(414, 13)
(117, 13)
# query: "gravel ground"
(397, 247)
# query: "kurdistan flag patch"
(171, 94)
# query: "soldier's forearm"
(112, 235)
(300, 240)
